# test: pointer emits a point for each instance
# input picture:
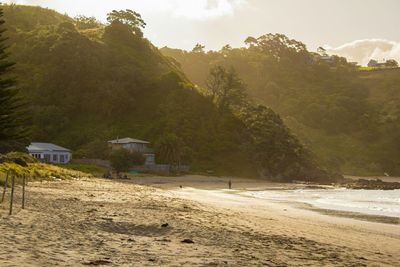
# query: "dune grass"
(86, 168)
(39, 172)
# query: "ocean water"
(374, 202)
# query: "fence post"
(12, 192)
(5, 187)
(23, 191)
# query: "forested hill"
(89, 82)
(349, 118)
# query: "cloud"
(188, 9)
(205, 9)
(362, 51)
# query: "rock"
(97, 262)
(164, 225)
(92, 210)
(187, 241)
(377, 184)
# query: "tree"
(169, 149)
(225, 49)
(250, 41)
(279, 46)
(13, 133)
(130, 18)
(276, 151)
(225, 88)
(121, 160)
(66, 27)
(322, 51)
(391, 63)
(83, 22)
(198, 48)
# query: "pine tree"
(13, 133)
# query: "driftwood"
(5, 187)
(23, 191)
(12, 192)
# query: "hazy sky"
(214, 23)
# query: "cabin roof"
(128, 140)
(38, 147)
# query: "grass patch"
(87, 168)
(39, 172)
(376, 68)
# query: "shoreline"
(349, 214)
(243, 185)
(327, 211)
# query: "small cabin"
(134, 145)
(50, 153)
(376, 64)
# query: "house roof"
(38, 147)
(128, 140)
(377, 62)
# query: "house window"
(62, 158)
(47, 157)
(55, 158)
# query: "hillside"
(88, 83)
(348, 118)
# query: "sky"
(357, 29)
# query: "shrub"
(121, 160)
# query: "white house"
(50, 153)
(377, 63)
(134, 145)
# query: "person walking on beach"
(230, 184)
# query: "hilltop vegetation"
(349, 120)
(24, 165)
(88, 83)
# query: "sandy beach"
(152, 221)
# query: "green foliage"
(24, 164)
(96, 149)
(26, 158)
(86, 168)
(130, 18)
(28, 18)
(198, 48)
(86, 89)
(39, 172)
(328, 103)
(278, 153)
(225, 89)
(169, 149)
(391, 63)
(121, 160)
(85, 23)
(13, 133)
(275, 151)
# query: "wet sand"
(119, 223)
